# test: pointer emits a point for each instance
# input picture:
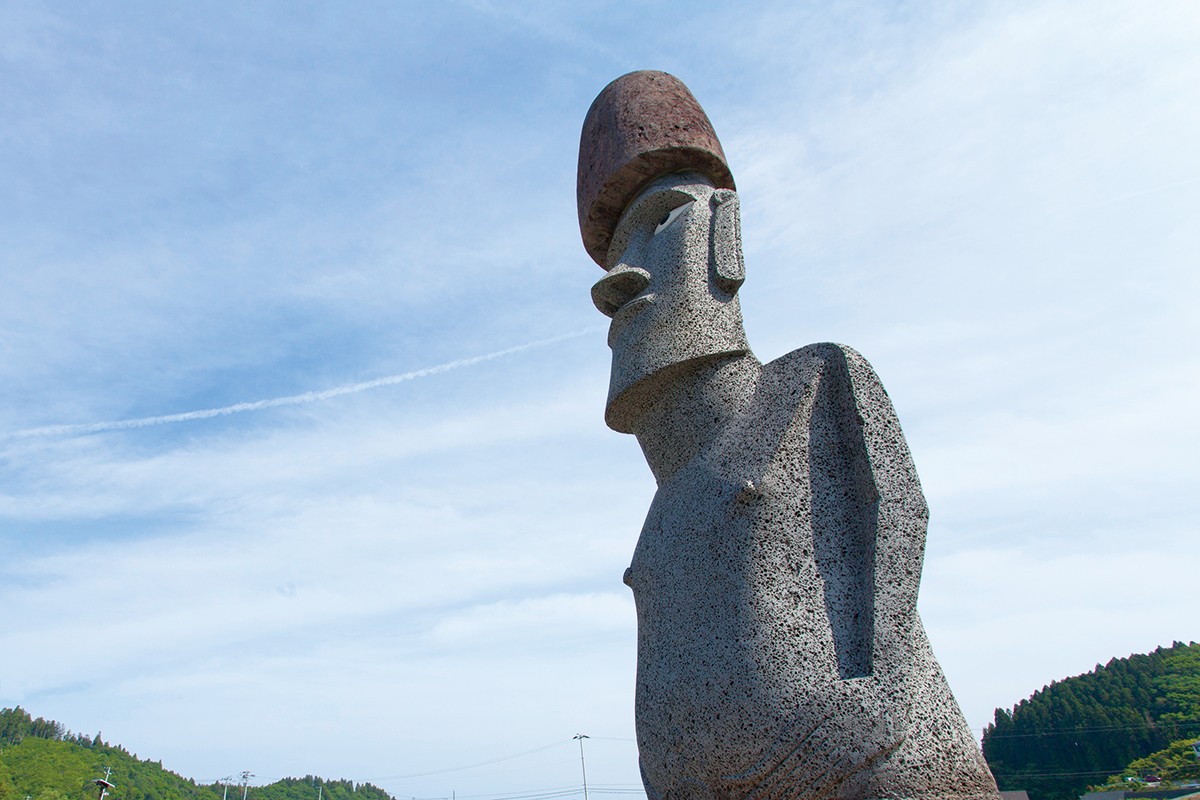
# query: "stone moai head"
(658, 211)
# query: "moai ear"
(725, 241)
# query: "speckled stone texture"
(780, 653)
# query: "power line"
(529, 794)
(471, 766)
(1094, 729)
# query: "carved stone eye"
(671, 216)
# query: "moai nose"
(618, 287)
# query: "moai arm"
(869, 516)
(890, 713)
(841, 518)
(822, 430)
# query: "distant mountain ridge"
(42, 760)
(1076, 732)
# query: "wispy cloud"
(79, 429)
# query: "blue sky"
(211, 205)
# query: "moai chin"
(780, 654)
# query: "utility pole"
(103, 782)
(225, 781)
(582, 763)
(246, 776)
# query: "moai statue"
(780, 654)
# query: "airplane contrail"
(290, 400)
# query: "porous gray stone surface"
(780, 653)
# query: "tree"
(1074, 731)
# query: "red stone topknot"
(641, 126)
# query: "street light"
(582, 763)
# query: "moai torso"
(754, 583)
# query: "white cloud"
(1008, 620)
(559, 617)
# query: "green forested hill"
(306, 789)
(41, 760)
(1075, 732)
(1176, 764)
